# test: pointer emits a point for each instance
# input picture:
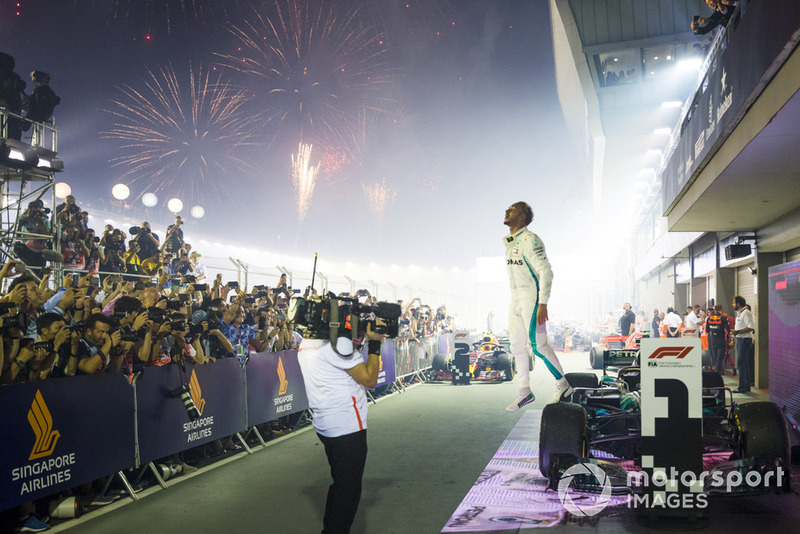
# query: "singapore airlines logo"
(197, 393)
(282, 376)
(42, 424)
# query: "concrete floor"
(427, 447)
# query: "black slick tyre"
(562, 433)
(761, 432)
(504, 363)
(439, 362)
(596, 357)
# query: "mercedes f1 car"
(615, 351)
(604, 420)
(488, 361)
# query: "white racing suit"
(530, 277)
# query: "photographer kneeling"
(335, 384)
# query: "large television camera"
(332, 316)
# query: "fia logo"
(196, 392)
(42, 425)
(282, 376)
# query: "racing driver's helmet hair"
(525, 208)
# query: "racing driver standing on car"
(530, 277)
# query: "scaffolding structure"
(27, 172)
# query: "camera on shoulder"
(341, 316)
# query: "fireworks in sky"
(309, 63)
(304, 177)
(379, 195)
(333, 160)
(183, 134)
(156, 16)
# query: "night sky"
(448, 108)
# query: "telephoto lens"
(184, 393)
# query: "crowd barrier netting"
(61, 433)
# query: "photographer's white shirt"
(339, 402)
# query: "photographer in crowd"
(36, 358)
(99, 346)
(239, 333)
(34, 220)
(335, 384)
(68, 212)
(73, 248)
(285, 337)
(178, 343)
(136, 334)
(173, 241)
(148, 241)
(112, 257)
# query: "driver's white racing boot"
(563, 390)
(525, 397)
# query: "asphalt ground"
(427, 447)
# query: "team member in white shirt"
(692, 327)
(673, 322)
(745, 351)
(335, 386)
(530, 277)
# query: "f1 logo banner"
(672, 417)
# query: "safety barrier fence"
(58, 434)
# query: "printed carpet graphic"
(511, 493)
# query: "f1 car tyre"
(439, 362)
(762, 432)
(563, 433)
(596, 357)
(582, 380)
(505, 363)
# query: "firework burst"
(183, 137)
(163, 15)
(304, 177)
(379, 195)
(309, 63)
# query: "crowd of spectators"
(419, 321)
(126, 325)
(109, 253)
(128, 304)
